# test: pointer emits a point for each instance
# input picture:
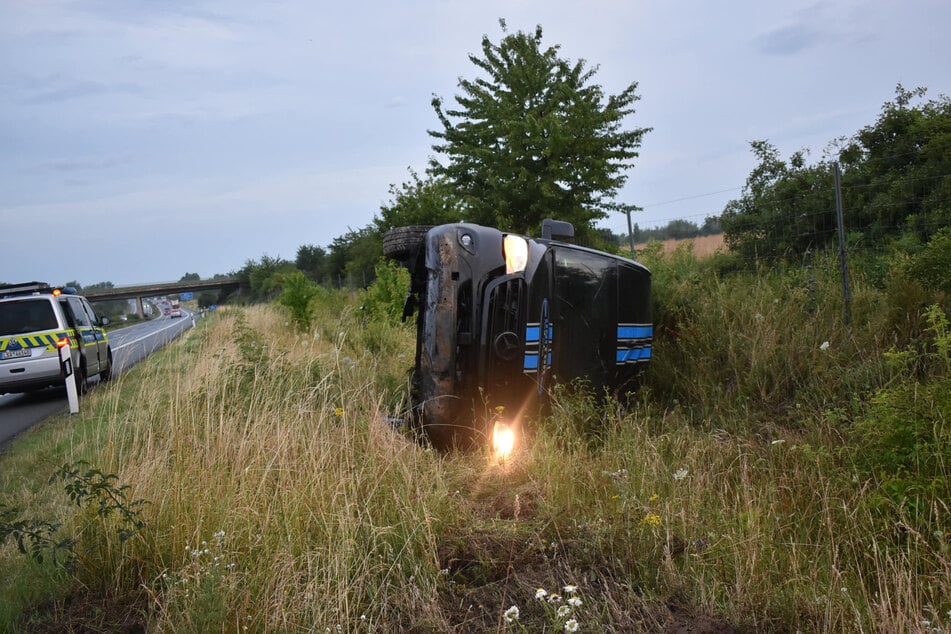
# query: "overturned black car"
(501, 317)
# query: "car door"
(102, 340)
(82, 323)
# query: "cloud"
(66, 91)
(788, 40)
(81, 165)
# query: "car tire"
(106, 373)
(402, 243)
(82, 379)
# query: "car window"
(28, 315)
(89, 311)
(77, 311)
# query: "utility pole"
(846, 295)
(630, 229)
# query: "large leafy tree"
(352, 257)
(898, 170)
(418, 201)
(312, 261)
(896, 181)
(785, 209)
(534, 138)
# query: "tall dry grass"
(281, 498)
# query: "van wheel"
(106, 373)
(402, 243)
(82, 380)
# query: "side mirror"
(103, 321)
(558, 228)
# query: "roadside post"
(66, 366)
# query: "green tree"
(312, 260)
(896, 181)
(263, 279)
(353, 257)
(534, 138)
(785, 209)
(898, 170)
(190, 277)
(419, 202)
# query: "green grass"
(727, 493)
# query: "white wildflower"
(824, 346)
(575, 602)
(571, 625)
(680, 474)
(511, 614)
(541, 593)
(570, 589)
(564, 611)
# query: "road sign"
(184, 296)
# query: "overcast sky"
(142, 140)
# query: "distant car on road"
(175, 310)
(34, 319)
(501, 317)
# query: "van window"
(78, 312)
(29, 315)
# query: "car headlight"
(503, 440)
(516, 253)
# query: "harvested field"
(702, 246)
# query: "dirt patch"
(510, 548)
(87, 611)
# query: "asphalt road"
(130, 345)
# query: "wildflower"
(511, 615)
(564, 611)
(824, 346)
(541, 593)
(338, 412)
(575, 602)
(777, 442)
(555, 598)
(680, 474)
(652, 519)
(653, 498)
(571, 625)
(570, 589)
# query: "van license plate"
(15, 354)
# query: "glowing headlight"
(516, 253)
(503, 440)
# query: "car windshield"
(25, 316)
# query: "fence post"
(846, 295)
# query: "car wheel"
(402, 243)
(82, 379)
(106, 373)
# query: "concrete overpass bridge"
(138, 292)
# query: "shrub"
(296, 297)
(387, 294)
(903, 440)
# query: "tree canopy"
(534, 138)
(896, 180)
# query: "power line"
(680, 200)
